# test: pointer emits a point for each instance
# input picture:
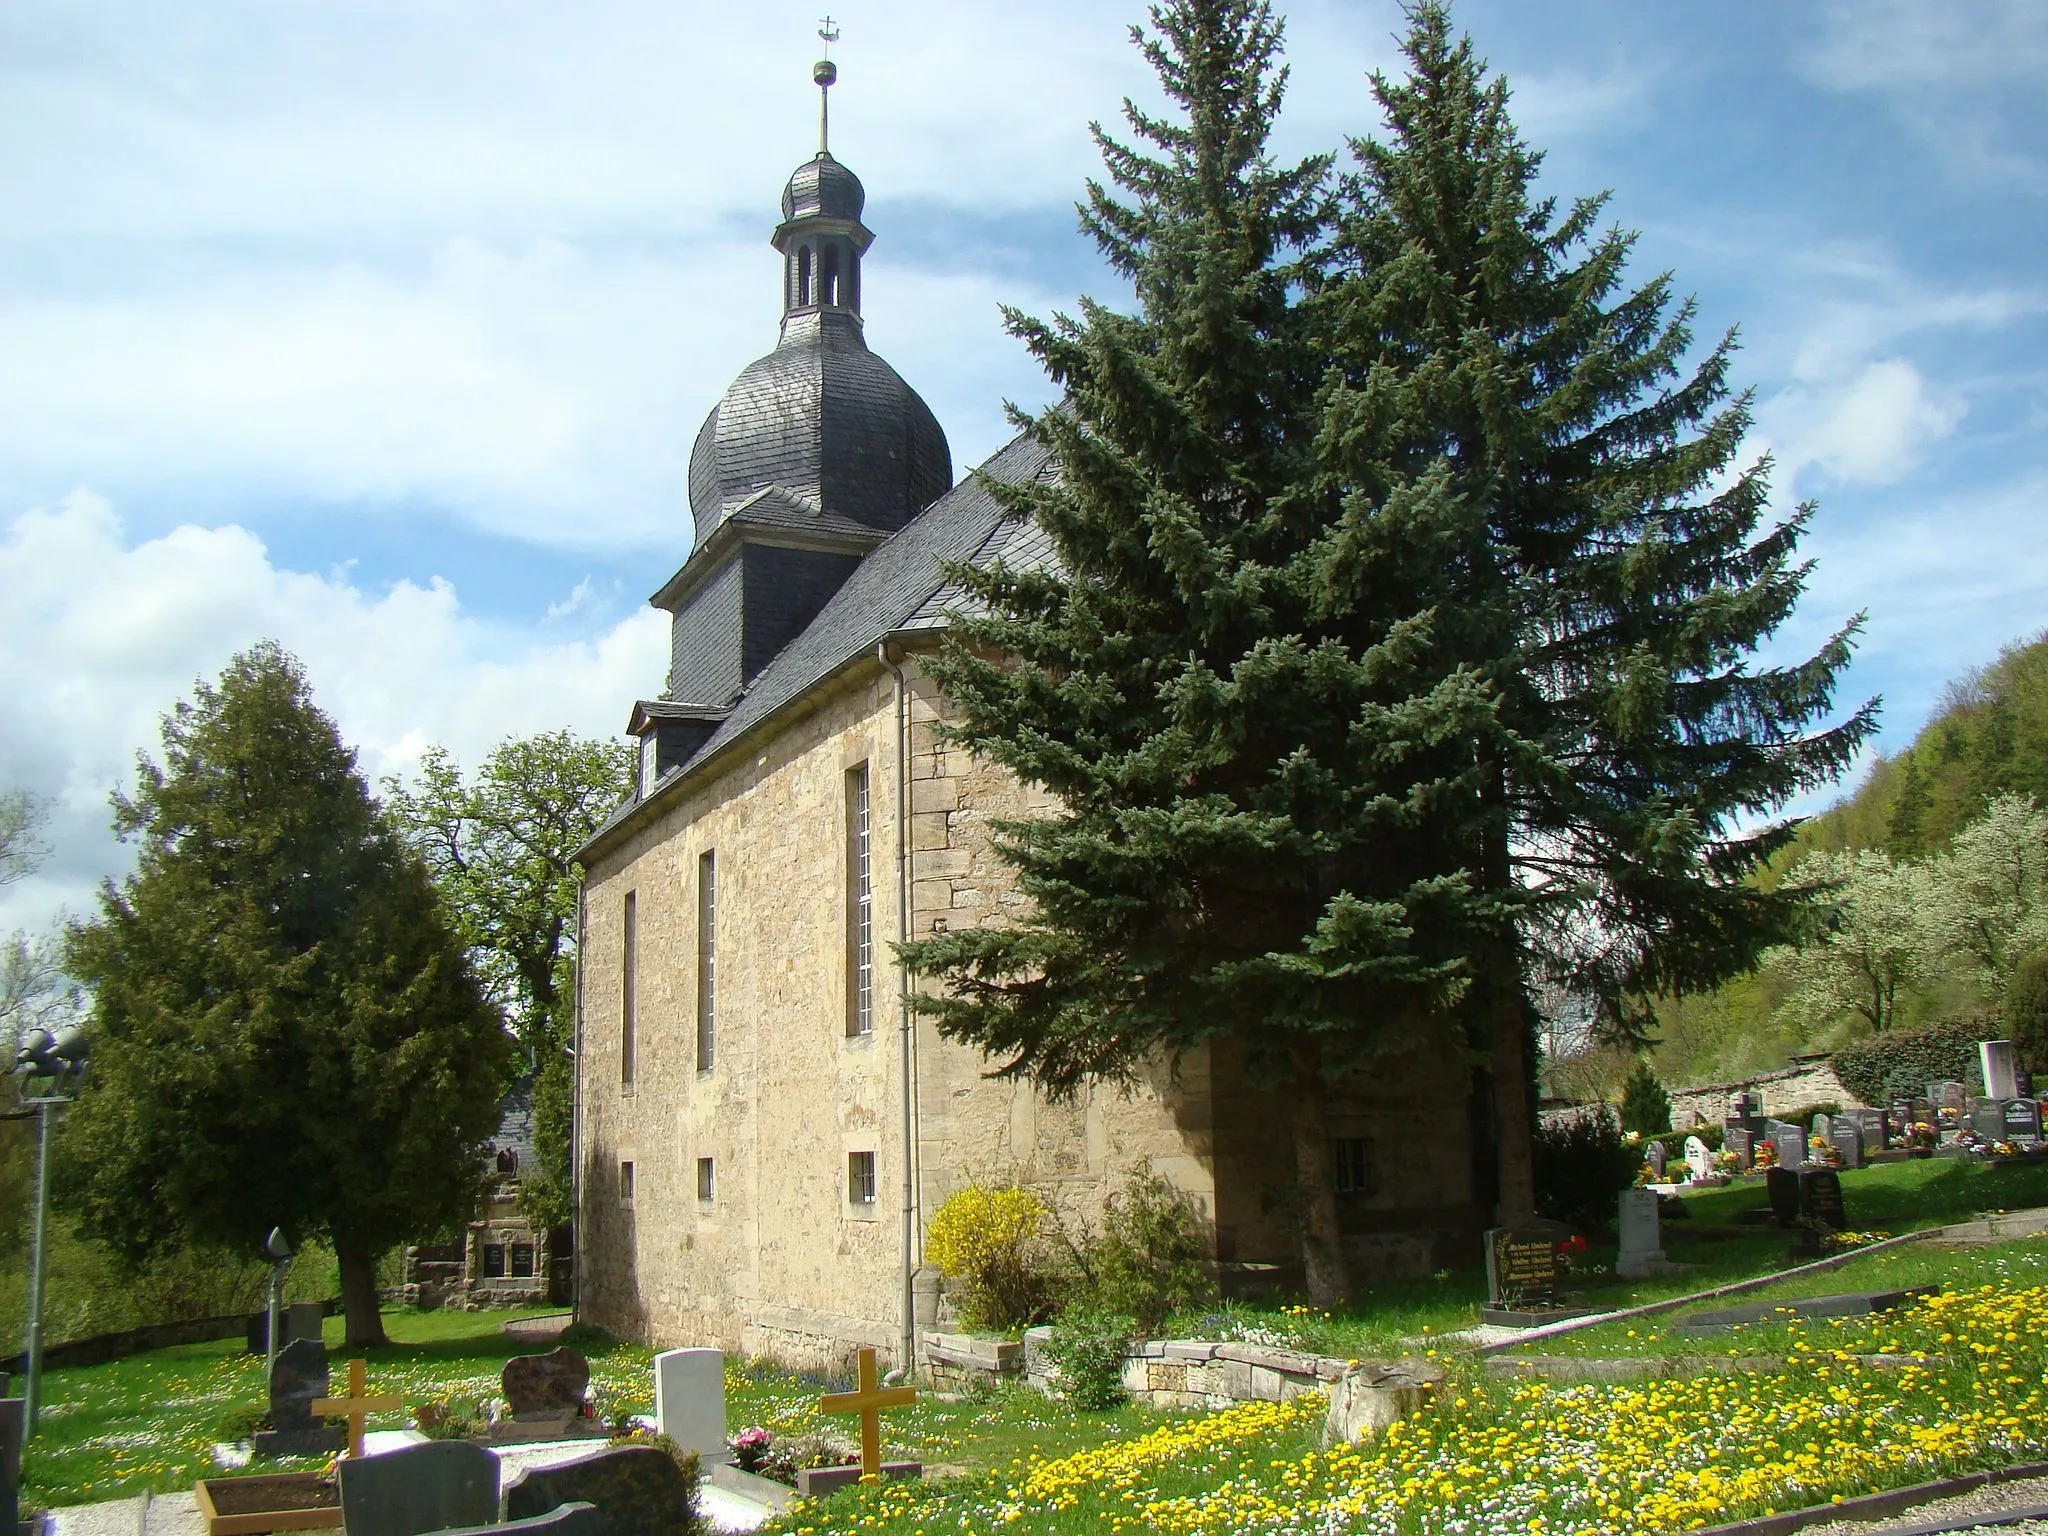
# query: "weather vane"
(825, 72)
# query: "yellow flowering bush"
(986, 1240)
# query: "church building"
(763, 1130)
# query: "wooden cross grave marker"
(868, 1400)
(356, 1407)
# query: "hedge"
(1900, 1063)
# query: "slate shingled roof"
(897, 587)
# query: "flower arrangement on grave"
(1845, 1240)
(1727, 1162)
(750, 1447)
(1822, 1151)
(1647, 1174)
(1764, 1155)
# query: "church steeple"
(821, 237)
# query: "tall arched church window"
(803, 276)
(830, 284)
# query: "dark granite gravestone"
(1820, 1199)
(2022, 1118)
(1742, 1143)
(1951, 1096)
(1901, 1115)
(546, 1386)
(1987, 1119)
(1656, 1155)
(1788, 1141)
(1783, 1184)
(419, 1488)
(639, 1490)
(11, 1424)
(1877, 1131)
(564, 1520)
(297, 1377)
(1848, 1142)
(1521, 1268)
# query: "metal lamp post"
(280, 1250)
(49, 1068)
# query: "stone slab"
(1530, 1317)
(639, 1490)
(1853, 1304)
(553, 1383)
(689, 1400)
(442, 1485)
(816, 1482)
(564, 1520)
(111, 1517)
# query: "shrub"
(1900, 1063)
(1582, 1165)
(987, 1240)
(1146, 1262)
(1645, 1106)
(1087, 1350)
(2026, 1011)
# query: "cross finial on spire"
(825, 72)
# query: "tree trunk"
(1512, 1131)
(359, 1296)
(1322, 1250)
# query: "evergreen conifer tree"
(1645, 1106)
(1609, 574)
(1216, 681)
(287, 1029)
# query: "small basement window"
(1350, 1172)
(860, 1178)
(625, 1183)
(705, 1175)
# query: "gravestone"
(638, 1490)
(1823, 1127)
(1783, 1187)
(1642, 1243)
(1521, 1276)
(1745, 1106)
(1950, 1098)
(1820, 1199)
(1657, 1155)
(1877, 1133)
(303, 1320)
(1854, 1304)
(1739, 1140)
(297, 1378)
(1699, 1162)
(689, 1400)
(12, 1422)
(563, 1520)
(1902, 1115)
(1788, 1141)
(2022, 1119)
(1987, 1119)
(549, 1386)
(419, 1488)
(2000, 1069)
(1848, 1141)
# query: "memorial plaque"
(1521, 1268)
(2022, 1119)
(1820, 1199)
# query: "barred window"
(1347, 1157)
(629, 961)
(707, 961)
(860, 1178)
(860, 907)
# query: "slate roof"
(896, 588)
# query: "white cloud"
(101, 636)
(1869, 427)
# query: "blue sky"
(384, 328)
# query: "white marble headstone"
(2001, 1071)
(1699, 1162)
(1642, 1241)
(689, 1400)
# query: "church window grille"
(707, 1187)
(829, 285)
(1350, 1171)
(860, 907)
(803, 275)
(629, 964)
(625, 1184)
(494, 1261)
(707, 961)
(860, 1178)
(522, 1261)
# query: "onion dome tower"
(815, 454)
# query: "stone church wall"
(779, 1261)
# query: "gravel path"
(1953, 1514)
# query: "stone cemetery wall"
(779, 1262)
(1790, 1088)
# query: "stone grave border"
(1161, 1373)
(1876, 1506)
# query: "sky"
(383, 328)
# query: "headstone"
(689, 1400)
(546, 1386)
(1854, 1304)
(420, 1488)
(1924, 1112)
(1699, 1162)
(1823, 1127)
(303, 1320)
(1788, 1141)
(1877, 1132)
(638, 1490)
(2022, 1119)
(1952, 1097)
(1657, 1155)
(1746, 1105)
(1742, 1143)
(563, 1520)
(1987, 1119)
(297, 1377)
(1902, 1115)
(1820, 1199)
(2000, 1069)
(1521, 1268)
(1848, 1141)
(1783, 1186)
(1642, 1243)
(11, 1421)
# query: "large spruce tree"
(1259, 798)
(1611, 569)
(287, 1030)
